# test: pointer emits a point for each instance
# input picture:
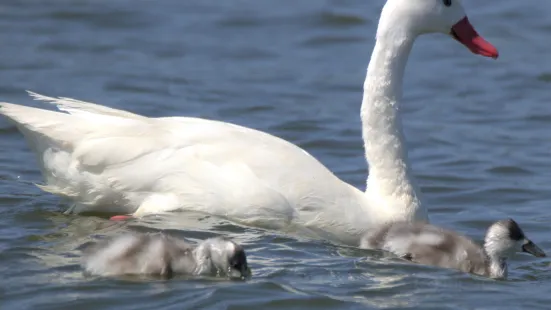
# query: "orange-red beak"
(464, 32)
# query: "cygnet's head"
(505, 238)
(226, 256)
(417, 17)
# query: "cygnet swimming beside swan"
(431, 245)
(163, 255)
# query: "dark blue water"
(478, 134)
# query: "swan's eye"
(447, 2)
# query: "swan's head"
(417, 17)
(505, 238)
(228, 257)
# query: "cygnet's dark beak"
(240, 272)
(238, 266)
(245, 272)
(532, 248)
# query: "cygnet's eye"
(447, 2)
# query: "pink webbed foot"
(120, 217)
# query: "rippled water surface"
(478, 134)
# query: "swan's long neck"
(390, 180)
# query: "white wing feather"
(119, 162)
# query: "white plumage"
(129, 164)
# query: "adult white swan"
(109, 160)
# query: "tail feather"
(73, 144)
(38, 124)
(62, 129)
(73, 106)
(58, 190)
(41, 129)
